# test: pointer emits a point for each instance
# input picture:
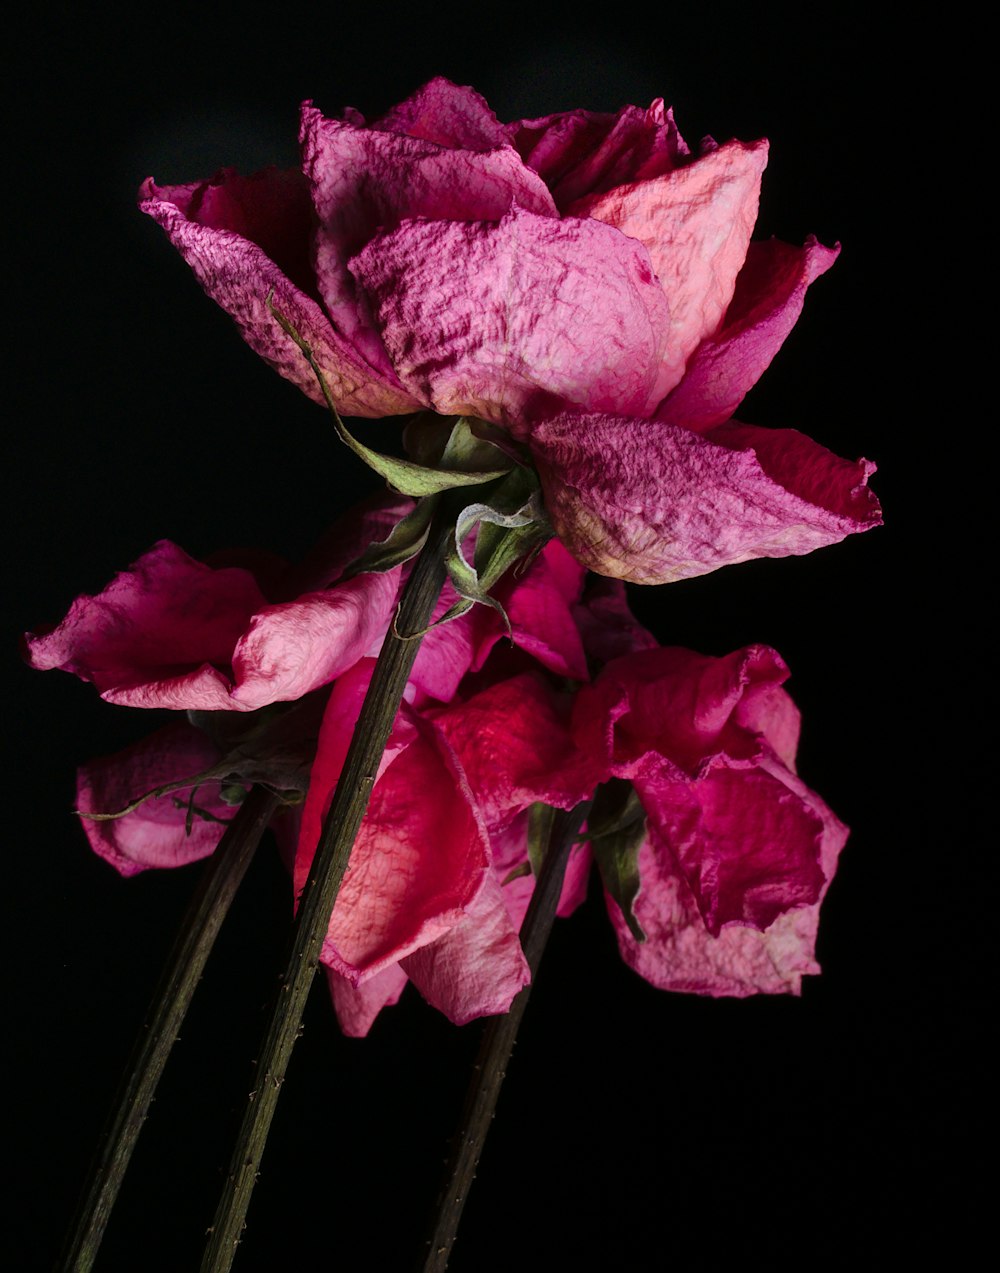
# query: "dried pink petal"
(652, 502)
(156, 833)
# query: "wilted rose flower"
(250, 630)
(582, 280)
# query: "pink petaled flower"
(582, 280)
(178, 633)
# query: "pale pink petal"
(673, 709)
(358, 1006)
(448, 114)
(770, 292)
(748, 847)
(421, 854)
(366, 181)
(651, 502)
(696, 223)
(161, 634)
(239, 274)
(288, 650)
(495, 320)
(514, 745)
(580, 152)
(154, 835)
(477, 967)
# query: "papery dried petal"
(448, 114)
(358, 1006)
(494, 320)
(652, 502)
(770, 292)
(154, 834)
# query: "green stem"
(208, 908)
(496, 1046)
(316, 904)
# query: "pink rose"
(178, 633)
(581, 280)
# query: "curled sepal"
(462, 444)
(512, 526)
(617, 830)
(404, 476)
(191, 782)
(404, 541)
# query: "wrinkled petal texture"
(422, 854)
(477, 967)
(681, 954)
(696, 223)
(173, 632)
(652, 503)
(159, 635)
(209, 224)
(358, 1006)
(154, 835)
(515, 747)
(770, 292)
(447, 114)
(501, 320)
(366, 180)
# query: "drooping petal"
(770, 292)
(675, 710)
(514, 745)
(651, 502)
(680, 954)
(447, 114)
(238, 273)
(161, 634)
(494, 320)
(367, 181)
(477, 967)
(696, 223)
(358, 1006)
(421, 854)
(748, 846)
(155, 834)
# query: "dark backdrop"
(637, 1129)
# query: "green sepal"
(616, 831)
(516, 873)
(402, 475)
(404, 541)
(540, 821)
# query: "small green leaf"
(402, 475)
(540, 821)
(617, 830)
(404, 541)
(516, 873)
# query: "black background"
(637, 1129)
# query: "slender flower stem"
(316, 904)
(207, 910)
(496, 1046)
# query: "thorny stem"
(316, 904)
(495, 1049)
(208, 908)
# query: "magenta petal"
(477, 967)
(154, 835)
(494, 319)
(769, 296)
(539, 605)
(607, 626)
(448, 114)
(514, 745)
(358, 1006)
(421, 855)
(366, 181)
(679, 952)
(696, 223)
(166, 613)
(651, 502)
(238, 274)
(748, 847)
(672, 709)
